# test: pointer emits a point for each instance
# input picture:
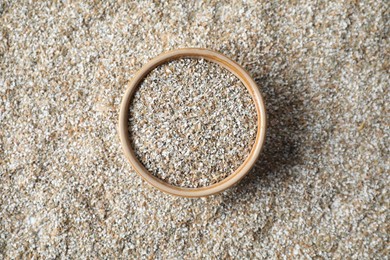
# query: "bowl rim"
(234, 68)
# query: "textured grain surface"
(320, 188)
(192, 123)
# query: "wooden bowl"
(223, 61)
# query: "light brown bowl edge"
(233, 67)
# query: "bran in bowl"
(192, 123)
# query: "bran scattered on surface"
(320, 189)
(192, 123)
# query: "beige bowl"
(233, 67)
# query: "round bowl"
(234, 68)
